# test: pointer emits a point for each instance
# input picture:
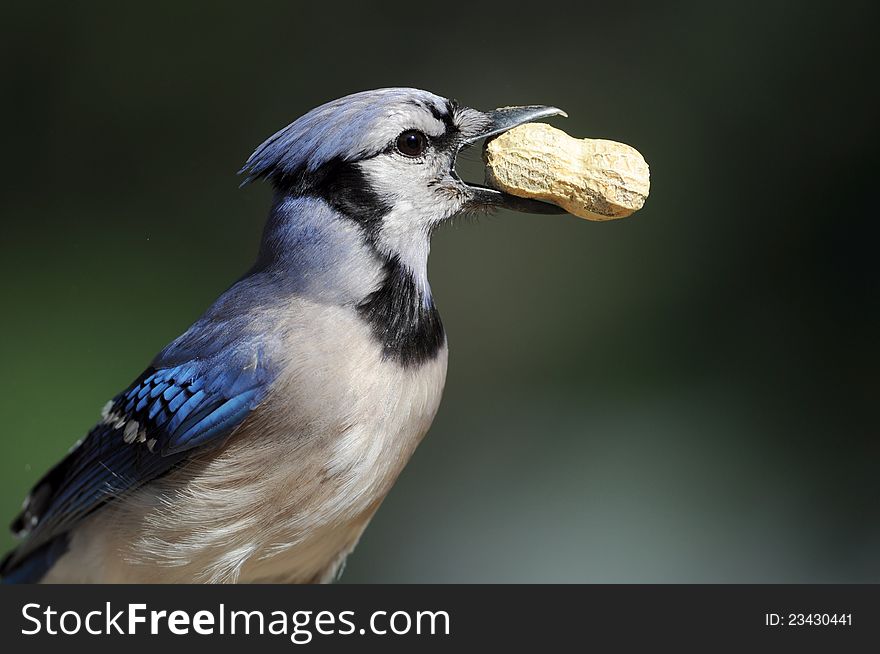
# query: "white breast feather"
(294, 488)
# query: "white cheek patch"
(419, 200)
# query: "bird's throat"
(402, 318)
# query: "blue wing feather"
(175, 410)
(191, 399)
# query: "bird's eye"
(412, 143)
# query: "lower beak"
(498, 122)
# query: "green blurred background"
(688, 395)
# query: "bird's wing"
(167, 415)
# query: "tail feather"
(34, 566)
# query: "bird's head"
(386, 160)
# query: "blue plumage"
(32, 568)
(342, 130)
(331, 341)
(148, 429)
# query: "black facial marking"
(343, 186)
(450, 135)
(443, 116)
(409, 329)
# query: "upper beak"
(499, 121)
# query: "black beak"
(500, 121)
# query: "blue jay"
(257, 445)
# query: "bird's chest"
(290, 494)
(340, 397)
(339, 426)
